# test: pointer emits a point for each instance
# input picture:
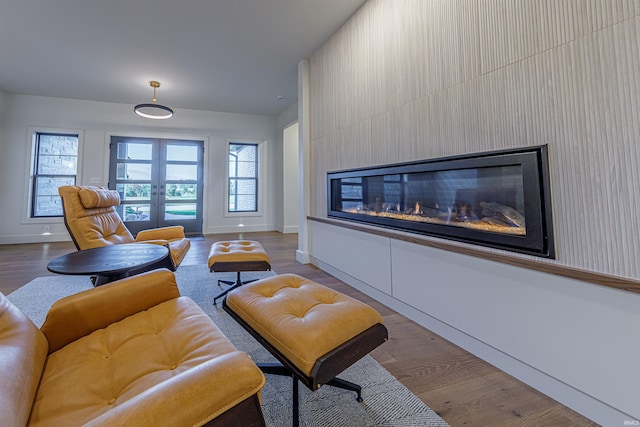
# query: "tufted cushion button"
(173, 367)
(111, 401)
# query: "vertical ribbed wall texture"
(417, 79)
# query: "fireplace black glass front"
(499, 199)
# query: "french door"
(159, 181)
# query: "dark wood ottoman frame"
(326, 368)
(247, 413)
(236, 267)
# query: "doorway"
(290, 174)
(160, 182)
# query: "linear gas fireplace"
(499, 199)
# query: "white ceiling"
(218, 55)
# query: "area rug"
(386, 401)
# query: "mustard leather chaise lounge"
(129, 353)
(91, 218)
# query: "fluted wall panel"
(417, 79)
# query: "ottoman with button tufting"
(314, 331)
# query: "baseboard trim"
(303, 257)
(290, 229)
(243, 229)
(34, 238)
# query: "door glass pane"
(136, 212)
(134, 191)
(188, 153)
(133, 171)
(179, 211)
(181, 191)
(131, 151)
(182, 172)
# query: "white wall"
(572, 340)
(98, 121)
(2, 98)
(409, 80)
(2, 108)
(290, 178)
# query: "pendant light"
(153, 110)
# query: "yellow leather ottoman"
(314, 331)
(236, 256)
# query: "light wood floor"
(463, 389)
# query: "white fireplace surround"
(553, 333)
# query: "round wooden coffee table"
(109, 263)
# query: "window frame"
(31, 181)
(259, 178)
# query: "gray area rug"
(386, 401)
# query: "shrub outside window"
(55, 165)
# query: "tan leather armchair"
(129, 353)
(91, 218)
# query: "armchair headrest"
(93, 197)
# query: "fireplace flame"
(417, 211)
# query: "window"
(243, 177)
(55, 165)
